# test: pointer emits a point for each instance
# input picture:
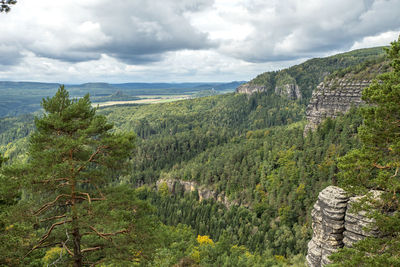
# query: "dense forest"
(248, 151)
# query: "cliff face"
(332, 98)
(335, 226)
(290, 90)
(203, 193)
(249, 89)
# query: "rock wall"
(203, 192)
(250, 89)
(334, 226)
(290, 90)
(333, 98)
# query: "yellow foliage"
(163, 189)
(300, 189)
(52, 254)
(280, 258)
(204, 240)
(9, 227)
(249, 134)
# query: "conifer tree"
(5, 5)
(73, 156)
(376, 166)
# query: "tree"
(2, 160)
(376, 166)
(5, 5)
(73, 156)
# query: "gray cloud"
(9, 55)
(135, 32)
(143, 31)
(296, 29)
(192, 39)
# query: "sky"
(78, 41)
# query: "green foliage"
(2, 160)
(309, 74)
(250, 149)
(73, 156)
(376, 166)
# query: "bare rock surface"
(335, 225)
(333, 98)
(250, 89)
(204, 193)
(290, 90)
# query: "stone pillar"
(328, 225)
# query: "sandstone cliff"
(332, 98)
(249, 89)
(203, 192)
(335, 226)
(290, 90)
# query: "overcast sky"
(76, 41)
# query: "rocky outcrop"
(335, 225)
(203, 192)
(333, 98)
(328, 225)
(357, 223)
(249, 89)
(290, 90)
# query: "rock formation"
(290, 90)
(332, 98)
(249, 89)
(335, 226)
(203, 193)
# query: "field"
(144, 100)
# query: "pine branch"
(91, 158)
(107, 235)
(51, 180)
(49, 204)
(54, 225)
(90, 199)
(90, 249)
(54, 217)
(380, 166)
(39, 245)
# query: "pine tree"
(73, 156)
(376, 166)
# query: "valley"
(240, 171)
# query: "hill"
(235, 167)
(300, 80)
(18, 98)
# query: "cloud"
(283, 30)
(9, 55)
(135, 32)
(383, 39)
(193, 40)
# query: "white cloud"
(194, 40)
(295, 28)
(382, 39)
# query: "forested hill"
(300, 80)
(18, 98)
(248, 150)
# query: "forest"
(79, 184)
